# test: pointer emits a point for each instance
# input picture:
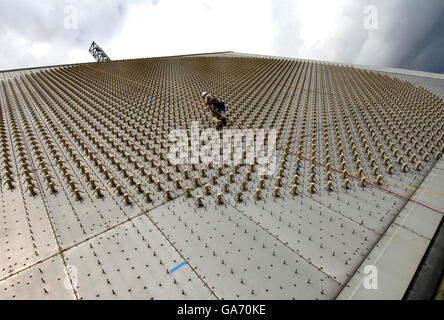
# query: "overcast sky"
(395, 33)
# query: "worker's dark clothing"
(217, 109)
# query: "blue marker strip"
(177, 267)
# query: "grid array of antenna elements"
(91, 207)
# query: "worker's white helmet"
(204, 94)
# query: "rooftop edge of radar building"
(234, 53)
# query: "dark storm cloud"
(26, 25)
(410, 34)
(423, 30)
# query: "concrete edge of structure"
(42, 67)
(191, 55)
(80, 63)
(372, 68)
(400, 250)
(438, 76)
(430, 272)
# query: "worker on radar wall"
(217, 108)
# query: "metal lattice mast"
(98, 53)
